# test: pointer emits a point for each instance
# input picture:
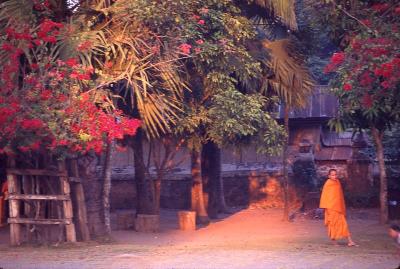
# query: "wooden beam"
(36, 172)
(38, 197)
(39, 221)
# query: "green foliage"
(220, 68)
(232, 122)
(391, 144)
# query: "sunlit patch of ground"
(250, 238)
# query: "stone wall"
(259, 189)
(123, 194)
(175, 193)
(322, 169)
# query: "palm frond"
(12, 10)
(123, 50)
(284, 9)
(291, 79)
(14, 13)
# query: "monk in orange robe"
(332, 200)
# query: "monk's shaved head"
(395, 227)
(332, 170)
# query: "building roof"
(334, 154)
(331, 139)
(322, 104)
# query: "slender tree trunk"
(144, 186)
(197, 188)
(107, 169)
(285, 166)
(378, 136)
(222, 207)
(159, 177)
(157, 190)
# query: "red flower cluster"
(185, 48)
(48, 31)
(367, 101)
(42, 106)
(369, 70)
(84, 46)
(41, 5)
(336, 60)
(380, 7)
(366, 80)
(32, 124)
(347, 87)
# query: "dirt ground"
(248, 238)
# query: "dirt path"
(251, 238)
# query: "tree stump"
(147, 223)
(187, 220)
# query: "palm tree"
(276, 9)
(287, 76)
(293, 84)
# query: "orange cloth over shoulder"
(332, 196)
(4, 187)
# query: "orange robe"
(3, 196)
(332, 200)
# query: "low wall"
(240, 189)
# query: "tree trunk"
(107, 168)
(197, 188)
(144, 186)
(212, 180)
(285, 166)
(378, 136)
(209, 178)
(159, 177)
(222, 207)
(157, 190)
(92, 186)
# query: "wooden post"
(28, 211)
(67, 205)
(79, 206)
(14, 206)
(187, 220)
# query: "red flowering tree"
(46, 104)
(368, 80)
